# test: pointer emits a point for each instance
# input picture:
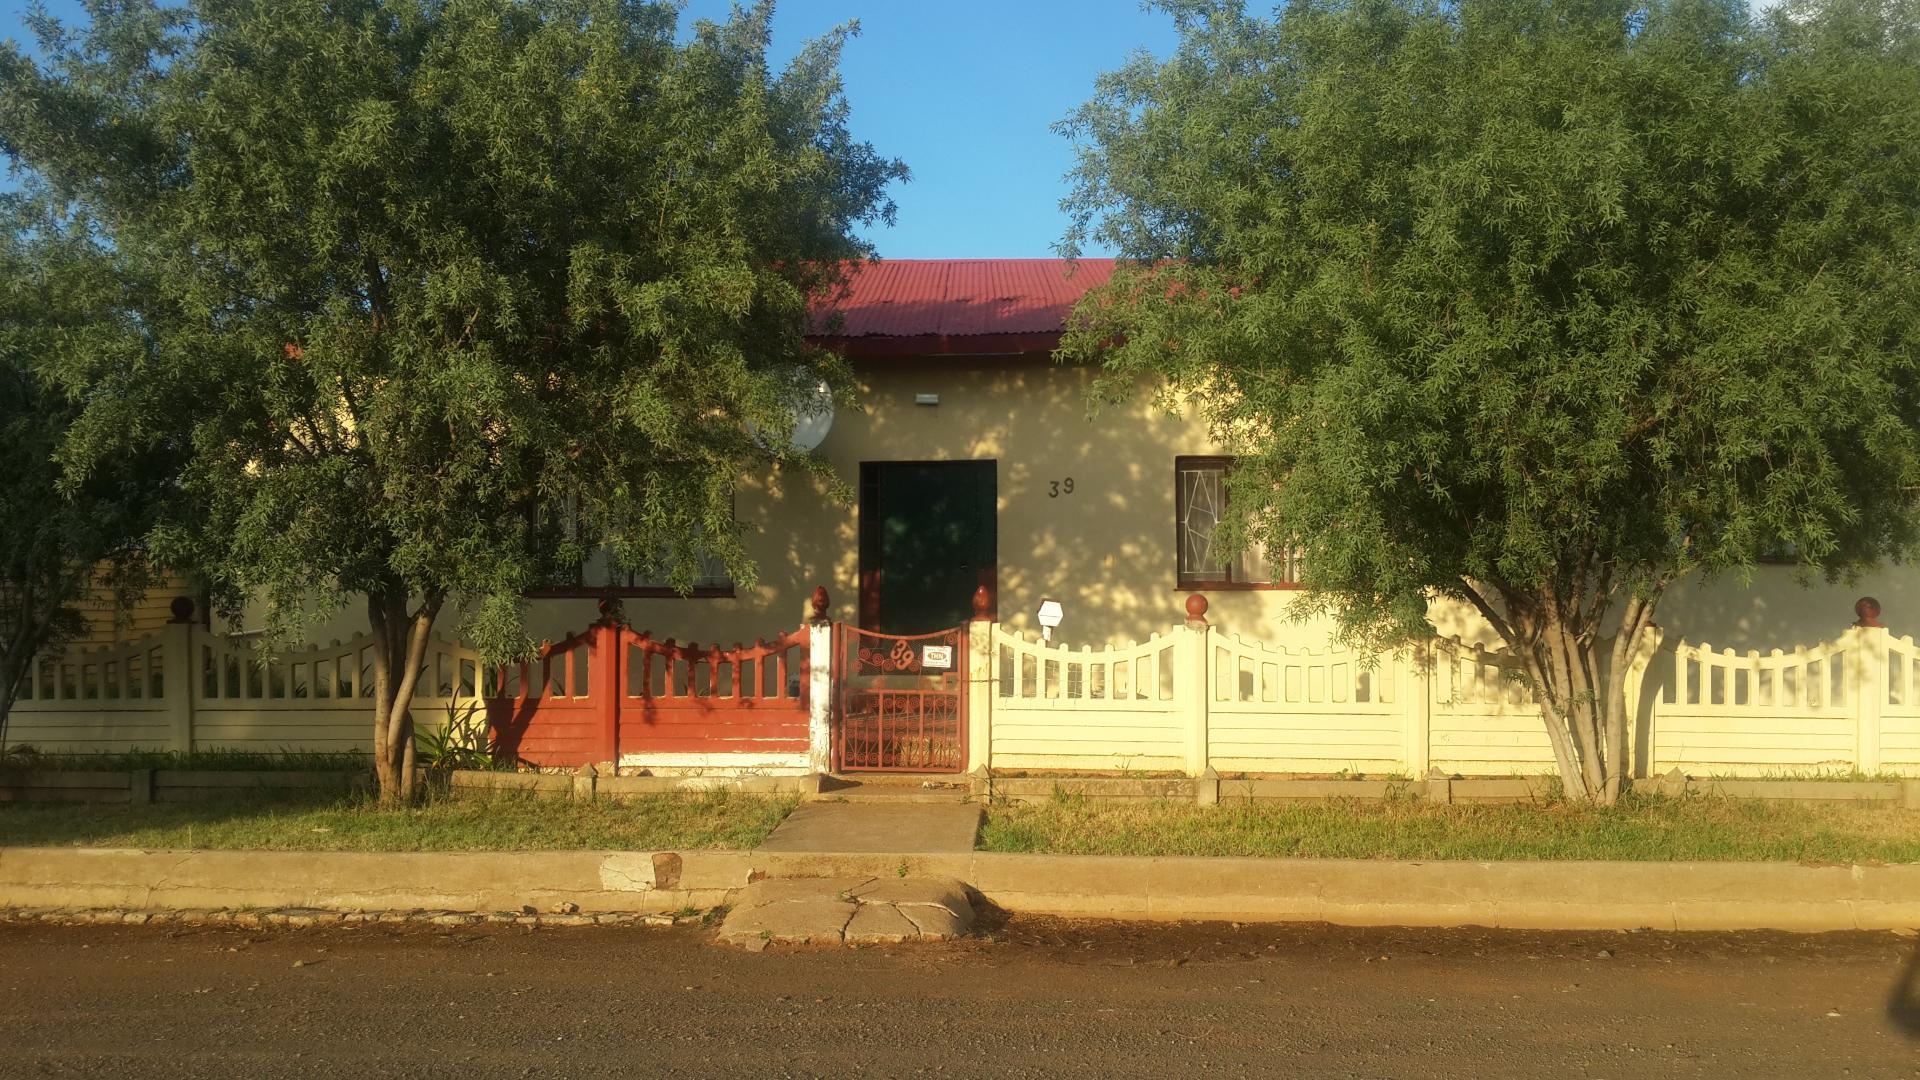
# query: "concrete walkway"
(866, 827)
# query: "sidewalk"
(1359, 892)
(879, 826)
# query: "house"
(978, 471)
(976, 462)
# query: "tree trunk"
(400, 639)
(1579, 680)
(13, 672)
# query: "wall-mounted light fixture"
(926, 399)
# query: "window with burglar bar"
(1200, 503)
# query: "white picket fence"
(1187, 701)
(1057, 708)
(1198, 699)
(1302, 710)
(187, 689)
(1840, 706)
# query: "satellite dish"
(813, 418)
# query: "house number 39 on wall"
(1057, 488)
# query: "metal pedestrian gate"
(902, 701)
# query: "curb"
(307, 918)
(1519, 895)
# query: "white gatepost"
(176, 674)
(1190, 687)
(1416, 706)
(820, 662)
(981, 688)
(1868, 650)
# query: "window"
(599, 574)
(1200, 501)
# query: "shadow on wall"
(1102, 546)
(1777, 611)
(1105, 548)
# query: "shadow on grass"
(440, 821)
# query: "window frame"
(1225, 462)
(633, 592)
(629, 592)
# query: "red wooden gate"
(552, 710)
(610, 692)
(683, 699)
(903, 701)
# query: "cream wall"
(1106, 550)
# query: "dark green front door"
(927, 541)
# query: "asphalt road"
(1039, 997)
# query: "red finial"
(611, 610)
(820, 603)
(1196, 610)
(1867, 612)
(982, 605)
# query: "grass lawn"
(1639, 829)
(506, 821)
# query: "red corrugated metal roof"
(965, 298)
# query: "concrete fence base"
(1211, 789)
(140, 787)
(1533, 895)
(587, 784)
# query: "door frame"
(867, 541)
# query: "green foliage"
(461, 741)
(423, 278)
(59, 303)
(416, 268)
(1527, 303)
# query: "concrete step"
(883, 795)
(894, 790)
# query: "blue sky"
(965, 93)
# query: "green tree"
(59, 301)
(1533, 305)
(428, 276)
